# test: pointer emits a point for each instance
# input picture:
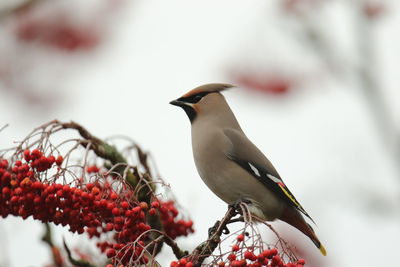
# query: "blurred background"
(318, 93)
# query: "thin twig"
(78, 263)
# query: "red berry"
(113, 196)
(301, 262)
(35, 154)
(6, 191)
(18, 191)
(155, 204)
(240, 238)
(115, 211)
(250, 255)
(3, 164)
(92, 169)
(109, 227)
(235, 248)
(111, 253)
(89, 186)
(95, 190)
(27, 155)
(232, 257)
(136, 210)
(59, 160)
(50, 160)
(124, 205)
(152, 212)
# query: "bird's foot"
(237, 205)
(212, 230)
(239, 219)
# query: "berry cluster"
(242, 256)
(269, 83)
(55, 32)
(182, 263)
(249, 258)
(173, 227)
(95, 208)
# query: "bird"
(232, 166)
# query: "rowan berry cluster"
(173, 227)
(58, 31)
(95, 208)
(242, 256)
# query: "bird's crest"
(210, 87)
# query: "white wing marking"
(255, 170)
(273, 178)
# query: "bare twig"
(3, 127)
(110, 153)
(78, 263)
(179, 253)
(55, 251)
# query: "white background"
(321, 138)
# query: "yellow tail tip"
(323, 250)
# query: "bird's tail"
(295, 219)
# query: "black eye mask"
(193, 99)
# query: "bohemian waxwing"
(232, 166)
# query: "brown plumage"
(232, 166)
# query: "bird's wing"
(242, 151)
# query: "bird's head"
(202, 99)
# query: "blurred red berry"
(373, 9)
(111, 253)
(272, 84)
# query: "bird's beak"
(190, 109)
(178, 103)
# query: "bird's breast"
(228, 180)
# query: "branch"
(78, 263)
(366, 73)
(55, 251)
(179, 253)
(205, 249)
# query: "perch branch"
(205, 249)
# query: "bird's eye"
(197, 98)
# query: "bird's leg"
(236, 204)
(237, 207)
(240, 219)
